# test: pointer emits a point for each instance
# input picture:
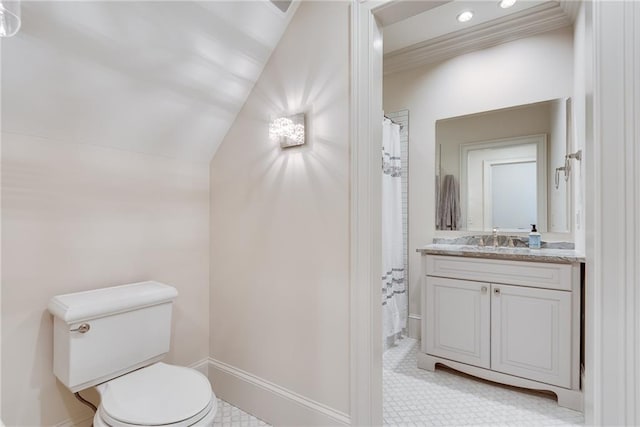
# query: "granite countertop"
(563, 256)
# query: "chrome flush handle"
(83, 328)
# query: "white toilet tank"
(104, 333)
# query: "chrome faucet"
(495, 237)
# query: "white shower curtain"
(394, 291)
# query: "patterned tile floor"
(228, 416)
(415, 397)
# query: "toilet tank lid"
(87, 305)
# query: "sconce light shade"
(288, 131)
(9, 17)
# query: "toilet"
(114, 339)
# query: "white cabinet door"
(458, 320)
(531, 333)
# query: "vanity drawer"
(534, 274)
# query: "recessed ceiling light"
(507, 3)
(465, 16)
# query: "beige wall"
(280, 220)
(78, 217)
(528, 70)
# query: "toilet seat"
(204, 418)
(157, 395)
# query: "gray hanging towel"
(449, 207)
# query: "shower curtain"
(394, 291)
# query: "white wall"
(560, 199)
(581, 116)
(84, 75)
(584, 139)
(528, 70)
(78, 217)
(280, 229)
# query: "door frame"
(540, 141)
(612, 206)
(366, 115)
(365, 216)
(612, 353)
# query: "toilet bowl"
(113, 339)
(157, 395)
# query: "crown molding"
(571, 8)
(539, 19)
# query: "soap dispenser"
(535, 239)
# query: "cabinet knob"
(483, 289)
(496, 291)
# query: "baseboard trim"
(415, 326)
(270, 402)
(201, 366)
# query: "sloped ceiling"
(163, 78)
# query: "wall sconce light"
(288, 131)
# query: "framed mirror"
(501, 169)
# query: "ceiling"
(435, 35)
(163, 78)
(441, 20)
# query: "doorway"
(368, 18)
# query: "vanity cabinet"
(531, 333)
(458, 322)
(514, 322)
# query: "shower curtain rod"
(393, 121)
